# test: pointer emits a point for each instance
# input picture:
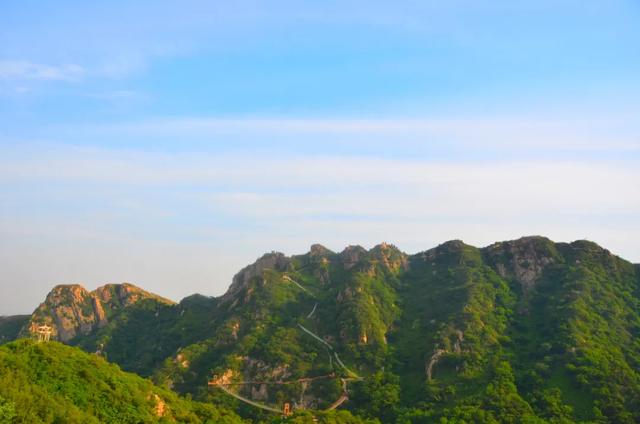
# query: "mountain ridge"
(527, 330)
(72, 310)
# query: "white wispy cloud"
(319, 185)
(117, 95)
(585, 133)
(295, 169)
(117, 68)
(111, 215)
(24, 71)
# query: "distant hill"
(10, 326)
(523, 331)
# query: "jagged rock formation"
(273, 260)
(351, 255)
(319, 251)
(72, 310)
(524, 259)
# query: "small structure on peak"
(44, 332)
(286, 409)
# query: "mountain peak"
(384, 246)
(352, 254)
(68, 289)
(273, 260)
(452, 245)
(125, 294)
(390, 256)
(523, 259)
(63, 295)
(72, 310)
(318, 250)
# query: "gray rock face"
(318, 250)
(273, 260)
(524, 259)
(391, 257)
(351, 255)
(72, 310)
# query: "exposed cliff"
(71, 310)
(523, 260)
(273, 260)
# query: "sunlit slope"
(51, 383)
(520, 331)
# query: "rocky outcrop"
(262, 371)
(319, 251)
(524, 259)
(351, 255)
(274, 260)
(440, 352)
(432, 362)
(69, 309)
(390, 257)
(72, 310)
(259, 392)
(453, 251)
(160, 408)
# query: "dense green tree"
(7, 411)
(53, 383)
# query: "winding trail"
(342, 399)
(332, 354)
(318, 338)
(285, 277)
(250, 402)
(312, 311)
(299, 380)
(335, 354)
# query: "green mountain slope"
(10, 326)
(520, 331)
(50, 382)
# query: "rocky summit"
(73, 311)
(521, 331)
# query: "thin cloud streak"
(28, 71)
(234, 170)
(588, 133)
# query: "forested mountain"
(524, 331)
(53, 383)
(10, 326)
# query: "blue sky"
(170, 143)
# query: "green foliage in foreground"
(53, 383)
(332, 417)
